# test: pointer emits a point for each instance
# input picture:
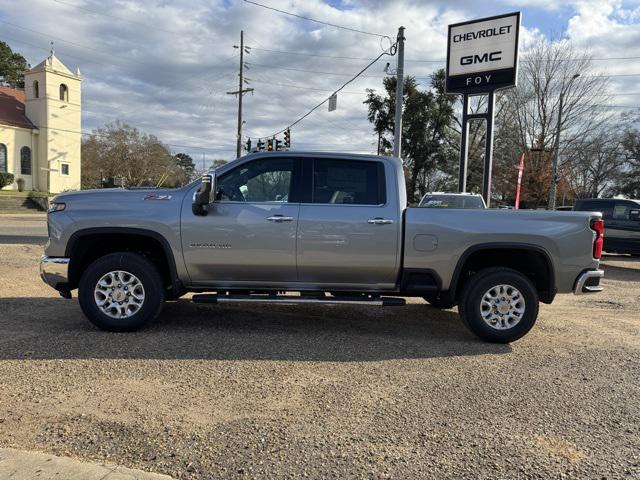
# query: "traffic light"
(270, 145)
(278, 144)
(287, 138)
(260, 145)
(248, 145)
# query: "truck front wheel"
(499, 305)
(121, 292)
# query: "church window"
(36, 89)
(25, 161)
(64, 93)
(3, 157)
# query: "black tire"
(135, 264)
(443, 302)
(480, 284)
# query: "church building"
(40, 128)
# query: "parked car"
(622, 221)
(332, 228)
(452, 200)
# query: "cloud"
(166, 67)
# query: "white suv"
(452, 200)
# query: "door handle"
(379, 221)
(279, 218)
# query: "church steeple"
(53, 104)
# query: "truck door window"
(348, 182)
(264, 180)
(621, 211)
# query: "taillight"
(598, 227)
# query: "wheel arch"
(86, 245)
(531, 260)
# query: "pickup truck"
(304, 227)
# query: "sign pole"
(488, 150)
(464, 141)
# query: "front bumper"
(588, 282)
(54, 271)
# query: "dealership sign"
(482, 55)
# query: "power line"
(416, 77)
(120, 19)
(95, 134)
(441, 60)
(311, 71)
(316, 21)
(310, 54)
(102, 52)
(302, 87)
(336, 91)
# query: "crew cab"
(305, 227)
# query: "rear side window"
(348, 182)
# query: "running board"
(291, 300)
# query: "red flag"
(519, 184)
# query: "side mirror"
(204, 195)
(634, 215)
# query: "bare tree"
(628, 183)
(596, 164)
(528, 117)
(121, 152)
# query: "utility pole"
(397, 133)
(556, 154)
(240, 92)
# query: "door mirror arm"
(204, 195)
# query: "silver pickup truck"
(294, 227)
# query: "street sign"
(482, 55)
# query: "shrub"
(5, 179)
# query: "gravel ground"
(324, 392)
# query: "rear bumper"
(54, 271)
(588, 282)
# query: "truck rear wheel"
(499, 305)
(121, 292)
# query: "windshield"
(452, 201)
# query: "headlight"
(56, 207)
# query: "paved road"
(28, 228)
(319, 392)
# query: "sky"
(165, 66)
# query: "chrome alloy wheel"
(502, 307)
(119, 294)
